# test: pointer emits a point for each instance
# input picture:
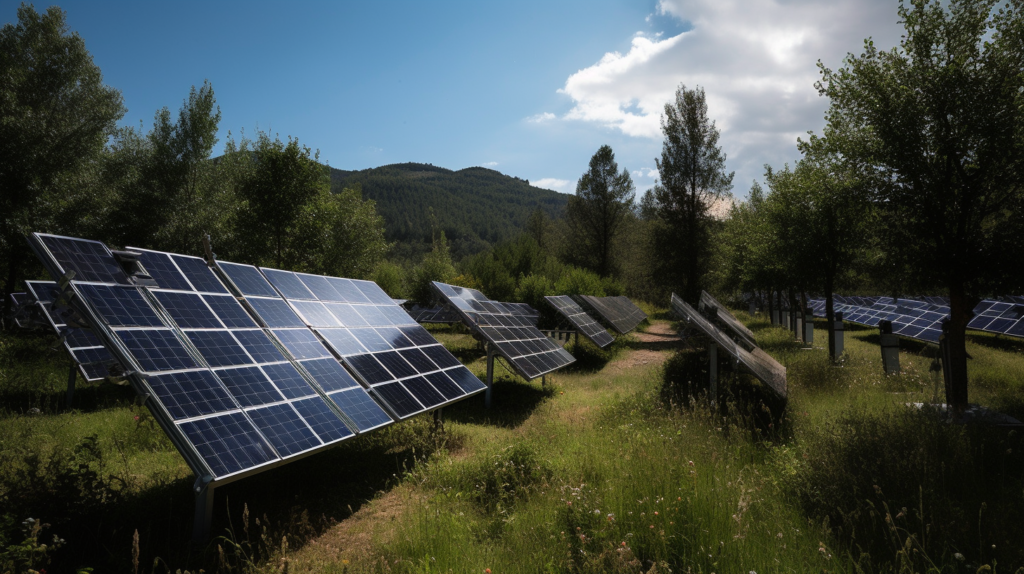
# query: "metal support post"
(752, 308)
(543, 381)
(839, 328)
(798, 325)
(775, 316)
(809, 327)
(713, 373)
(204, 510)
(785, 318)
(947, 373)
(438, 420)
(576, 340)
(490, 377)
(72, 377)
(890, 348)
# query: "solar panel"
(739, 331)
(436, 314)
(757, 362)
(1003, 317)
(400, 362)
(619, 311)
(579, 319)
(513, 335)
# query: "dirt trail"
(651, 347)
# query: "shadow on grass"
(512, 402)
(994, 341)
(299, 501)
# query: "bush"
(391, 278)
(532, 289)
(577, 281)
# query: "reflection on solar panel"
(619, 311)
(757, 362)
(579, 318)
(93, 360)
(437, 314)
(401, 363)
(1003, 317)
(739, 331)
(513, 336)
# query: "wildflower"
(959, 556)
(779, 536)
(344, 561)
(623, 544)
(690, 463)
(136, 417)
(652, 527)
(487, 571)
(655, 512)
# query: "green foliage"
(576, 281)
(533, 288)
(596, 214)
(390, 277)
(693, 180)
(55, 116)
(475, 207)
(436, 266)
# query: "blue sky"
(531, 89)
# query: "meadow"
(617, 464)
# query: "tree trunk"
(13, 276)
(956, 341)
(771, 305)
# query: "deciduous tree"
(595, 215)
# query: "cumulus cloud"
(541, 118)
(562, 185)
(755, 60)
(490, 164)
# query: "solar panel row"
(732, 324)
(579, 319)
(618, 311)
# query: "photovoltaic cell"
(156, 349)
(188, 310)
(90, 260)
(535, 355)
(580, 320)
(162, 269)
(189, 394)
(359, 407)
(619, 311)
(284, 428)
(228, 443)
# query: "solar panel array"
(401, 363)
(579, 319)
(619, 311)
(730, 322)
(513, 335)
(756, 361)
(436, 314)
(1004, 317)
(237, 387)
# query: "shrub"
(577, 281)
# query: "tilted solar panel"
(619, 311)
(436, 314)
(399, 361)
(725, 317)
(757, 362)
(1003, 317)
(579, 319)
(513, 336)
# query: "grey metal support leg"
(490, 377)
(72, 377)
(204, 510)
(713, 372)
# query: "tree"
(692, 179)
(595, 214)
(338, 234)
(940, 118)
(282, 181)
(436, 266)
(55, 116)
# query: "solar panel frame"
(757, 362)
(488, 320)
(740, 331)
(619, 312)
(580, 320)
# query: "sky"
(531, 89)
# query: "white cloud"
(541, 118)
(490, 164)
(755, 60)
(645, 172)
(562, 185)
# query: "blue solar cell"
(441, 357)
(94, 371)
(287, 283)
(418, 360)
(80, 338)
(259, 346)
(275, 312)
(465, 379)
(315, 314)
(228, 443)
(418, 335)
(199, 274)
(190, 394)
(329, 374)
(302, 343)
(288, 380)
(396, 315)
(284, 428)
(398, 398)
(359, 407)
(369, 369)
(92, 355)
(320, 287)
(229, 311)
(219, 348)
(322, 419)
(370, 339)
(248, 279)
(249, 386)
(120, 306)
(346, 314)
(395, 364)
(162, 269)
(188, 310)
(342, 341)
(395, 338)
(373, 315)
(373, 292)
(90, 260)
(156, 350)
(424, 393)
(347, 291)
(445, 385)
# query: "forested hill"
(475, 207)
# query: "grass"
(615, 465)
